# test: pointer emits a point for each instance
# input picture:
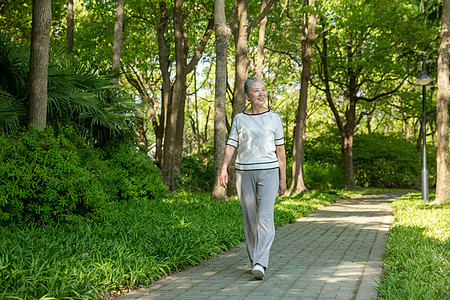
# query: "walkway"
(334, 253)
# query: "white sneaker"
(258, 272)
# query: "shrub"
(323, 176)
(46, 179)
(378, 161)
(79, 95)
(132, 175)
(197, 172)
(42, 179)
(387, 161)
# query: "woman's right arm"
(229, 151)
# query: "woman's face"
(257, 94)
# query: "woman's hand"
(282, 187)
(281, 154)
(223, 178)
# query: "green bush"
(323, 176)
(197, 172)
(132, 175)
(387, 161)
(79, 95)
(47, 178)
(42, 179)
(378, 161)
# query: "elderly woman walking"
(257, 135)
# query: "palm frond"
(12, 112)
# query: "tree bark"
(261, 43)
(443, 160)
(69, 33)
(117, 43)
(179, 88)
(241, 59)
(39, 56)
(166, 90)
(308, 38)
(349, 128)
(223, 34)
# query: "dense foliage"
(388, 161)
(47, 178)
(417, 259)
(379, 161)
(135, 242)
(197, 171)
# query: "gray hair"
(249, 82)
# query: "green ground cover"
(417, 258)
(133, 244)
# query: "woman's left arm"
(281, 154)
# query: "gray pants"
(257, 191)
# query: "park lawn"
(417, 258)
(132, 244)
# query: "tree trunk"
(166, 90)
(117, 43)
(443, 160)
(308, 38)
(69, 33)
(347, 159)
(174, 129)
(261, 42)
(150, 114)
(349, 128)
(346, 130)
(179, 89)
(39, 56)
(241, 61)
(223, 34)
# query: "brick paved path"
(334, 253)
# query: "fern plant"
(13, 84)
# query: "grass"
(417, 258)
(132, 245)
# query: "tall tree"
(39, 56)
(308, 36)
(70, 29)
(363, 65)
(117, 43)
(173, 135)
(157, 91)
(223, 34)
(443, 160)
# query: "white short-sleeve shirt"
(255, 137)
